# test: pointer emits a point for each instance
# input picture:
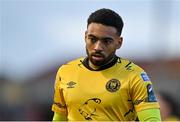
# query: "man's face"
(101, 43)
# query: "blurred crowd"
(169, 107)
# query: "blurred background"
(38, 36)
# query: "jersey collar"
(110, 64)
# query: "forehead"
(101, 30)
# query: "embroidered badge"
(151, 95)
(113, 85)
(145, 77)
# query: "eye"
(92, 39)
(107, 41)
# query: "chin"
(97, 63)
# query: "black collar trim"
(86, 64)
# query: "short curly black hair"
(106, 17)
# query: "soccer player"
(103, 86)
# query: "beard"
(105, 60)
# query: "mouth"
(97, 57)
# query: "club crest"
(113, 85)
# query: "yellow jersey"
(116, 92)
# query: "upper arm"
(59, 105)
(142, 93)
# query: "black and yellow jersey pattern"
(115, 92)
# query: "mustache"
(97, 54)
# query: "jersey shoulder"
(75, 62)
(130, 66)
(134, 71)
(71, 64)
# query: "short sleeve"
(59, 105)
(142, 92)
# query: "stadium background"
(37, 36)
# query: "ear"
(119, 42)
(85, 36)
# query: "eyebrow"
(103, 38)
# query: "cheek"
(110, 50)
(89, 47)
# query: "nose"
(98, 46)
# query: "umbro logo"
(71, 84)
